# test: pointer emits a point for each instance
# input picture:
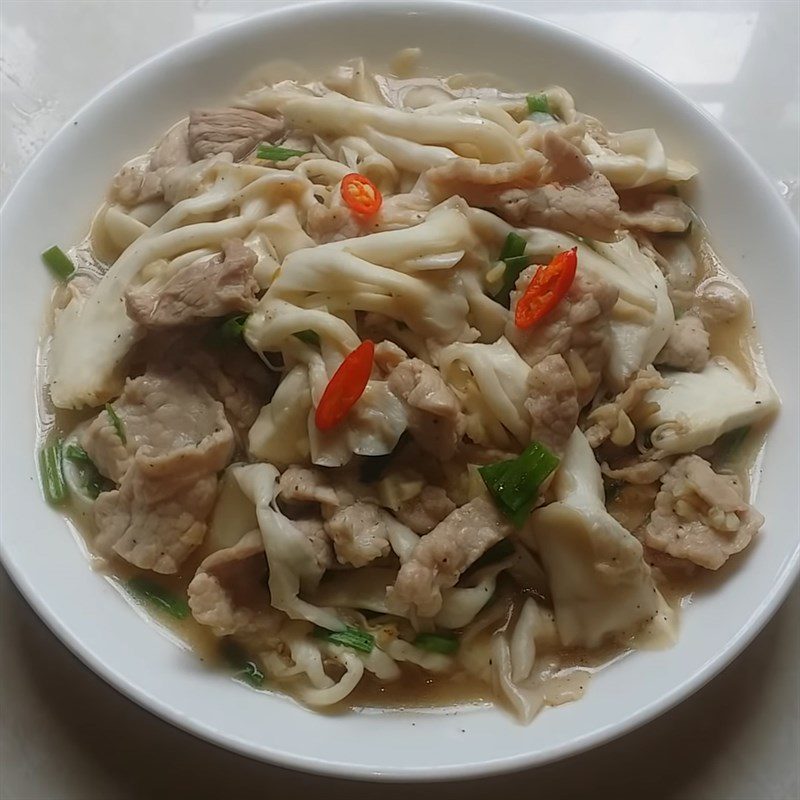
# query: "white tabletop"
(65, 734)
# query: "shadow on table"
(148, 758)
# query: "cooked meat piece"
(359, 534)
(559, 191)
(314, 531)
(577, 328)
(303, 485)
(228, 130)
(221, 285)
(638, 472)
(719, 300)
(236, 377)
(425, 511)
(434, 413)
(141, 180)
(631, 506)
(655, 213)
(700, 515)
(553, 403)
(176, 441)
(387, 356)
(229, 590)
(687, 347)
(612, 420)
(439, 559)
(480, 184)
(588, 208)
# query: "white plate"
(53, 202)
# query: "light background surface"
(65, 734)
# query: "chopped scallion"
(513, 255)
(58, 262)
(229, 331)
(273, 153)
(117, 423)
(245, 668)
(538, 103)
(349, 637)
(513, 246)
(92, 480)
(309, 337)
(50, 466)
(514, 484)
(158, 597)
(445, 643)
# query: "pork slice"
(700, 515)
(176, 440)
(439, 559)
(577, 329)
(552, 403)
(229, 590)
(688, 345)
(359, 534)
(435, 420)
(141, 180)
(229, 130)
(221, 285)
(656, 213)
(307, 485)
(426, 510)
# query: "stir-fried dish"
(384, 382)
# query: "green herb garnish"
(158, 597)
(445, 643)
(513, 255)
(245, 668)
(309, 337)
(92, 480)
(58, 262)
(117, 423)
(273, 153)
(538, 103)
(349, 637)
(514, 484)
(51, 469)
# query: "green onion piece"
(74, 452)
(513, 246)
(272, 153)
(93, 481)
(158, 597)
(55, 488)
(58, 262)
(514, 484)
(245, 669)
(538, 103)
(309, 337)
(117, 423)
(349, 637)
(445, 643)
(229, 331)
(497, 552)
(730, 442)
(514, 266)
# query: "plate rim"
(749, 629)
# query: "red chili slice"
(361, 194)
(345, 387)
(547, 288)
